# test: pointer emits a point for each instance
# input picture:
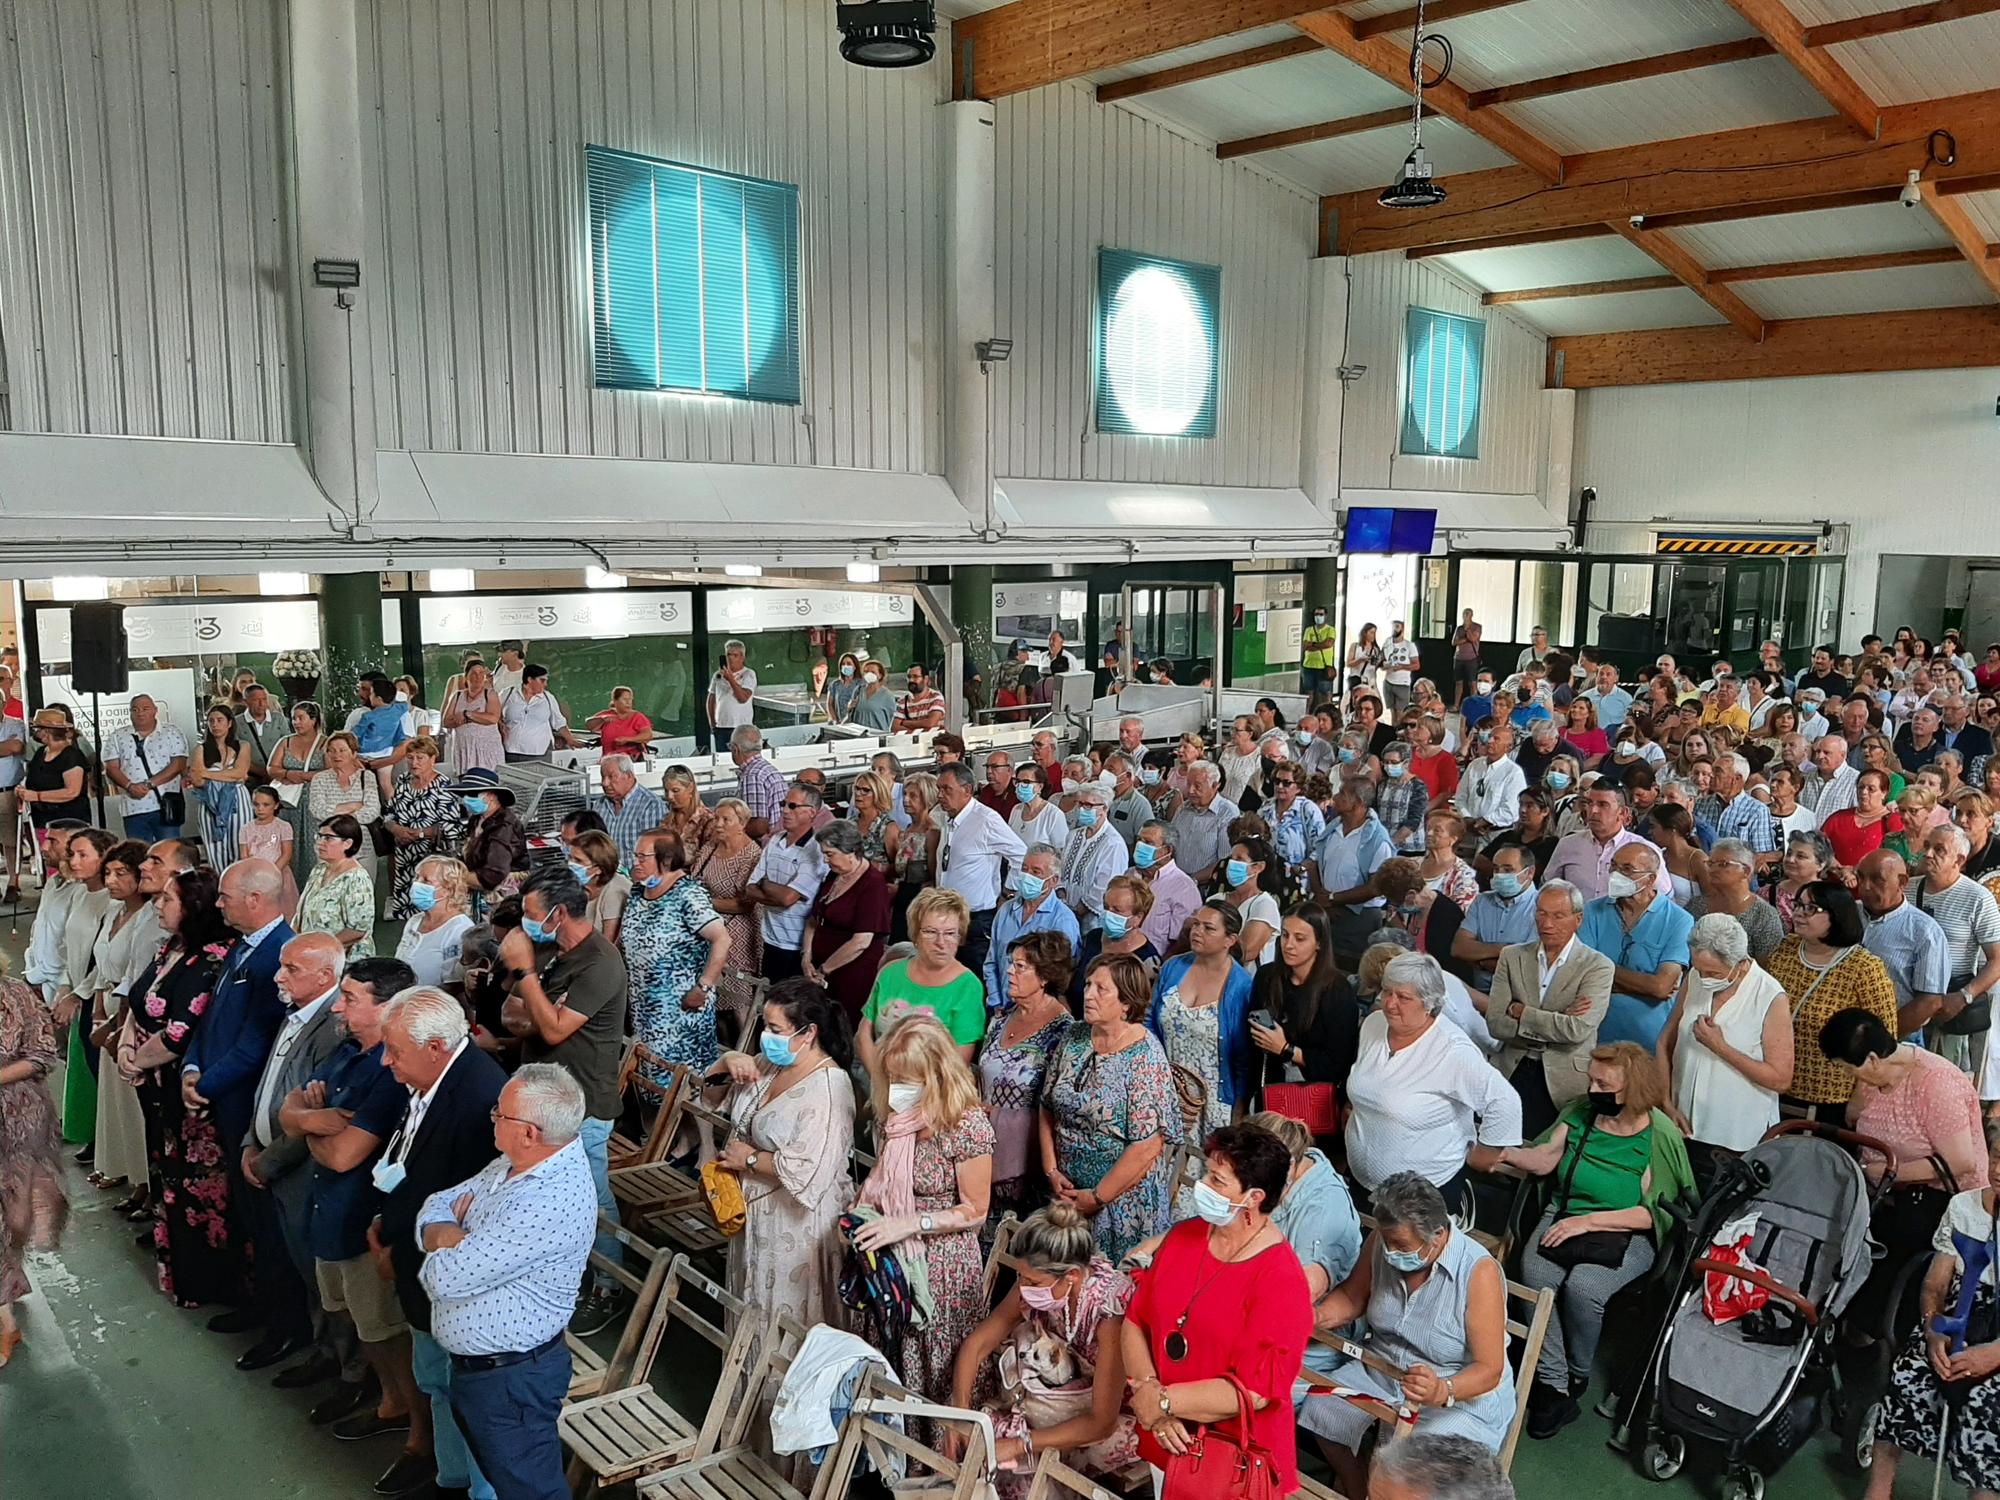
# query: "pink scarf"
(891, 1187)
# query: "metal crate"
(544, 794)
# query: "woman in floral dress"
(339, 897)
(31, 1165)
(1110, 1119)
(931, 1188)
(199, 1261)
(675, 946)
(724, 867)
(424, 819)
(1020, 1041)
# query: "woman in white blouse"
(1422, 1096)
(434, 937)
(1727, 1046)
(1035, 815)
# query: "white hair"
(428, 1014)
(1564, 887)
(1960, 840)
(550, 1099)
(1094, 791)
(1419, 973)
(1206, 768)
(747, 737)
(614, 763)
(1720, 935)
(1737, 764)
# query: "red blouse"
(1851, 841)
(631, 735)
(1251, 1319)
(1439, 774)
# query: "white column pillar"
(970, 301)
(1326, 341)
(331, 223)
(1559, 411)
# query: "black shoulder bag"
(173, 805)
(1597, 1247)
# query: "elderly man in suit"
(446, 1137)
(276, 1167)
(1548, 998)
(225, 1061)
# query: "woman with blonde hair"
(931, 981)
(687, 817)
(1068, 1298)
(874, 801)
(593, 860)
(916, 850)
(424, 817)
(440, 916)
(724, 866)
(930, 1189)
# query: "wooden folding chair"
(590, 1371)
(1054, 1478)
(1532, 1328)
(626, 1433)
(664, 1202)
(1000, 1257)
(632, 1076)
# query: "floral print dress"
(1193, 1034)
(1100, 1105)
(200, 1260)
(664, 956)
(31, 1164)
(433, 807)
(725, 876)
(1010, 1081)
(957, 1270)
(340, 903)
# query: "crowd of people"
(1187, 1012)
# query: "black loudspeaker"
(97, 658)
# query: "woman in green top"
(1617, 1161)
(933, 981)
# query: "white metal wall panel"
(1074, 177)
(143, 267)
(481, 112)
(1513, 422)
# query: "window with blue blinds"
(694, 279)
(1445, 357)
(1158, 345)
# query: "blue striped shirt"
(642, 813)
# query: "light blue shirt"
(1298, 833)
(1350, 859)
(642, 813)
(1493, 918)
(510, 1285)
(1011, 924)
(1659, 937)
(1611, 707)
(1317, 1218)
(1913, 948)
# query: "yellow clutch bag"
(724, 1191)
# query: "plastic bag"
(1727, 1298)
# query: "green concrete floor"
(117, 1395)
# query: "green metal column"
(972, 613)
(350, 607)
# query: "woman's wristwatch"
(750, 1162)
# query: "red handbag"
(1223, 1462)
(1313, 1105)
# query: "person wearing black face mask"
(1617, 1161)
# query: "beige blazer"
(1563, 1042)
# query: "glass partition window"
(1029, 611)
(1434, 619)
(1486, 587)
(785, 632)
(1547, 598)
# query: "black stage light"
(887, 33)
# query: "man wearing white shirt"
(1342, 874)
(973, 855)
(789, 874)
(278, 1168)
(145, 762)
(532, 722)
(507, 677)
(1489, 794)
(730, 694)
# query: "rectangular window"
(1442, 364)
(694, 279)
(1159, 342)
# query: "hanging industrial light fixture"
(887, 33)
(1414, 186)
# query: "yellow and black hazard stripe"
(1739, 546)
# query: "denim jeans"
(596, 1137)
(457, 1468)
(150, 827)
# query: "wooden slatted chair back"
(590, 1372)
(946, 1478)
(1001, 1257)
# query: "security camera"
(1912, 196)
(1638, 221)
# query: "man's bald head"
(1880, 880)
(310, 966)
(251, 895)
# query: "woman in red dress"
(1858, 831)
(1225, 1297)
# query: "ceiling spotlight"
(1415, 186)
(1912, 195)
(887, 33)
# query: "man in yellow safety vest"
(1321, 652)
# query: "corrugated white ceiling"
(1369, 160)
(1561, 263)
(1985, 211)
(1615, 314)
(1277, 96)
(1831, 231)
(1760, 91)
(1864, 291)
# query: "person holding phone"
(1305, 1017)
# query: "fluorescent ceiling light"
(598, 578)
(278, 584)
(859, 572)
(80, 587)
(451, 580)
(743, 570)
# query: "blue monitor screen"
(1379, 528)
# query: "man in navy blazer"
(226, 1058)
(446, 1137)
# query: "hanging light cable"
(1414, 186)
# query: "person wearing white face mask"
(1218, 1329)
(1644, 933)
(930, 1189)
(1066, 1295)
(874, 707)
(1436, 1305)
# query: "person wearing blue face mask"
(593, 860)
(496, 849)
(1436, 1305)
(1094, 854)
(1402, 800)
(1128, 902)
(434, 936)
(1034, 907)
(1035, 818)
(1500, 916)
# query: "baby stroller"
(1752, 1387)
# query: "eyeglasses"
(1806, 909)
(496, 1117)
(798, 807)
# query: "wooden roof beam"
(1435, 11)
(1941, 338)
(1214, 67)
(1886, 22)
(1502, 241)
(1761, 169)
(1681, 263)
(1624, 72)
(1965, 235)
(1836, 265)
(1390, 61)
(1784, 31)
(1029, 43)
(1581, 289)
(1301, 135)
